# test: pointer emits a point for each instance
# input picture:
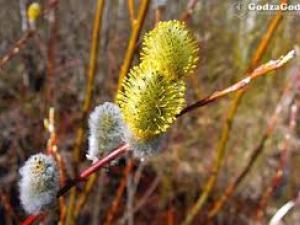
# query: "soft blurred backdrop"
(168, 183)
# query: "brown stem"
(131, 11)
(136, 28)
(32, 218)
(284, 155)
(241, 85)
(186, 15)
(18, 46)
(94, 49)
(51, 51)
(82, 198)
(91, 75)
(114, 207)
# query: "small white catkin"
(106, 130)
(39, 183)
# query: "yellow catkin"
(171, 49)
(149, 102)
(33, 11)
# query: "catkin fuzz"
(171, 49)
(106, 130)
(149, 101)
(39, 183)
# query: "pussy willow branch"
(230, 189)
(241, 85)
(260, 71)
(121, 150)
(115, 154)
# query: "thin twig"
(53, 150)
(4, 199)
(32, 218)
(51, 51)
(241, 85)
(137, 26)
(143, 200)
(159, 8)
(130, 197)
(186, 15)
(116, 202)
(90, 78)
(170, 215)
(94, 49)
(277, 178)
(18, 46)
(131, 9)
(82, 198)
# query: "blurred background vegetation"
(228, 36)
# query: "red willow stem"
(32, 218)
(94, 168)
(121, 150)
(99, 164)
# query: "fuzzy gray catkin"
(39, 183)
(144, 148)
(106, 130)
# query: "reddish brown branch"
(32, 218)
(116, 202)
(186, 15)
(19, 45)
(284, 155)
(258, 72)
(4, 199)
